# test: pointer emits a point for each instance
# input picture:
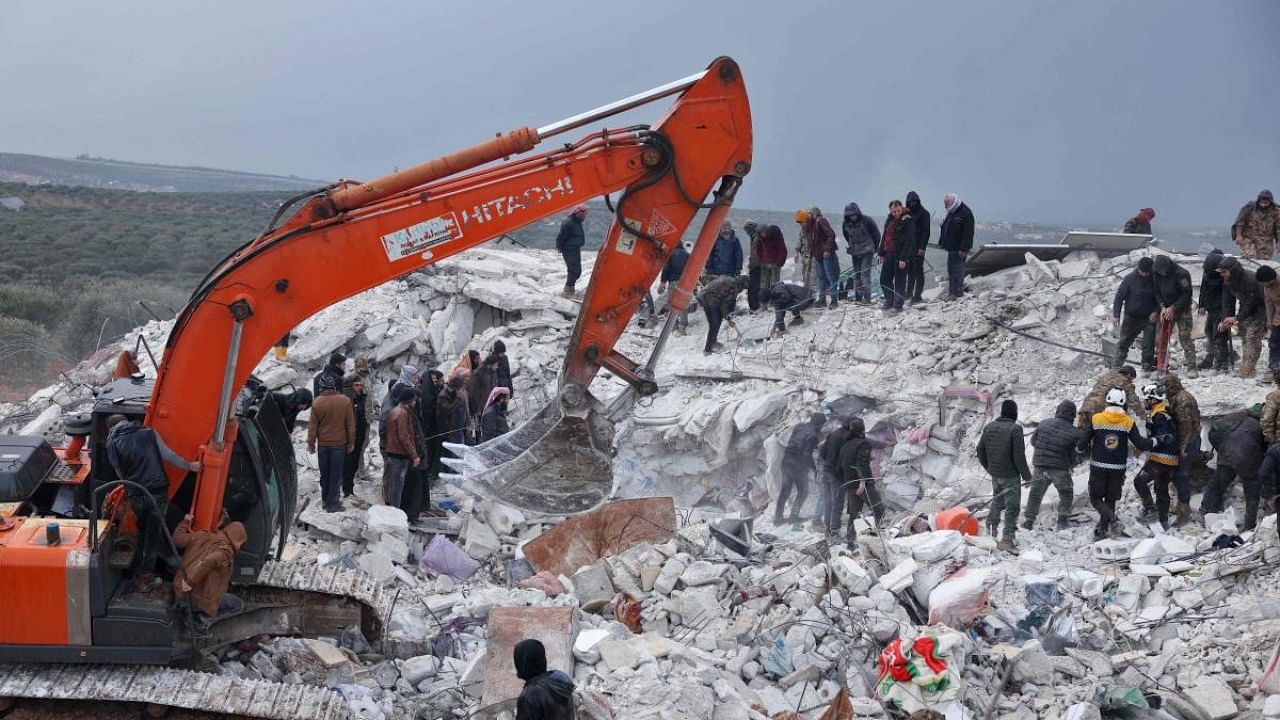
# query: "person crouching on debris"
(785, 297)
(1107, 439)
(797, 466)
(1243, 306)
(1002, 453)
(1054, 441)
(717, 300)
(1162, 461)
(1095, 402)
(831, 501)
(859, 486)
(208, 559)
(1240, 444)
(493, 423)
(546, 695)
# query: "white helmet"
(1116, 396)
(1154, 392)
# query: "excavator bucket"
(556, 463)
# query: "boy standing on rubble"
(1107, 439)
(1002, 453)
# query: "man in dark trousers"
(1002, 453)
(360, 405)
(789, 297)
(1055, 454)
(1161, 467)
(1209, 304)
(138, 454)
(956, 237)
(862, 237)
(1240, 445)
(832, 482)
(335, 369)
(569, 242)
(429, 388)
(669, 279)
(331, 434)
(717, 300)
(1134, 313)
(923, 227)
(1107, 439)
(1186, 415)
(797, 466)
(897, 249)
(1172, 285)
(860, 488)
(1243, 307)
(546, 695)
(401, 447)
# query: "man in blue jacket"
(569, 242)
(726, 254)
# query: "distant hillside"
(120, 175)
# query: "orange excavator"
(67, 597)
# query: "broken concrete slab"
(593, 587)
(584, 539)
(553, 627)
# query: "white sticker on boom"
(420, 236)
(626, 241)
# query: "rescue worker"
(862, 237)
(546, 695)
(137, 454)
(1266, 276)
(1055, 454)
(669, 279)
(1240, 445)
(1270, 420)
(832, 500)
(335, 368)
(804, 251)
(922, 227)
(493, 423)
(1162, 461)
(331, 435)
(1107, 439)
(1209, 304)
(1095, 402)
(956, 237)
(208, 558)
(1136, 298)
(858, 483)
(291, 405)
(726, 254)
(897, 249)
(717, 299)
(817, 232)
(1257, 227)
(1172, 285)
(401, 447)
(360, 406)
(788, 297)
(1002, 453)
(1243, 307)
(1186, 414)
(1140, 224)
(569, 242)
(797, 466)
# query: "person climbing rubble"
(1238, 439)
(921, 228)
(1096, 400)
(1162, 461)
(1002, 453)
(1186, 415)
(1055, 454)
(335, 368)
(817, 233)
(331, 435)
(493, 423)
(1107, 438)
(1173, 293)
(208, 559)
(360, 406)
(857, 482)
(726, 254)
(1243, 307)
(956, 237)
(1135, 300)
(547, 695)
(1266, 276)
(717, 300)
(789, 297)
(1257, 227)
(831, 498)
(669, 279)
(797, 466)
(896, 251)
(1140, 224)
(1209, 304)
(569, 242)
(401, 447)
(861, 236)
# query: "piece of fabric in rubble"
(922, 673)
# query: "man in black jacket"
(1172, 285)
(1002, 453)
(862, 237)
(1136, 297)
(569, 242)
(1243, 305)
(858, 483)
(788, 297)
(360, 404)
(669, 279)
(923, 228)
(1140, 224)
(429, 386)
(335, 369)
(547, 695)
(797, 466)
(1240, 445)
(1209, 304)
(956, 237)
(832, 502)
(1055, 454)
(897, 250)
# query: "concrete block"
(851, 575)
(479, 540)
(900, 577)
(669, 576)
(1113, 548)
(386, 520)
(701, 572)
(330, 656)
(592, 587)
(618, 654)
(1215, 698)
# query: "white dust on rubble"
(1067, 629)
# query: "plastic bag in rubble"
(922, 673)
(442, 557)
(777, 661)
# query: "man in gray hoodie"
(863, 237)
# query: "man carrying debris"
(1136, 300)
(717, 300)
(1186, 414)
(1240, 445)
(1172, 285)
(1107, 439)
(546, 695)
(1244, 307)
(854, 462)
(1266, 276)
(208, 559)
(402, 450)
(1257, 227)
(1054, 441)
(331, 434)
(897, 250)
(789, 297)
(797, 466)
(1162, 461)
(669, 279)
(569, 242)
(831, 503)
(1003, 454)
(956, 237)
(921, 225)
(1095, 402)
(1209, 304)
(861, 237)
(1140, 224)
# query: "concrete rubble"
(654, 616)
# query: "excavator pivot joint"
(241, 310)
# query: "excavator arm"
(352, 237)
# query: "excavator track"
(106, 691)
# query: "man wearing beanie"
(1134, 312)
(1210, 305)
(1271, 298)
(1243, 306)
(1140, 224)
(1003, 454)
(1173, 292)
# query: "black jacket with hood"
(1243, 298)
(1055, 439)
(860, 231)
(1173, 289)
(546, 695)
(1211, 285)
(923, 221)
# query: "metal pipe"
(228, 374)
(623, 105)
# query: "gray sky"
(1074, 111)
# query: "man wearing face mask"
(915, 266)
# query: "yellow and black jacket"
(1109, 437)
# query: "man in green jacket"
(1003, 454)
